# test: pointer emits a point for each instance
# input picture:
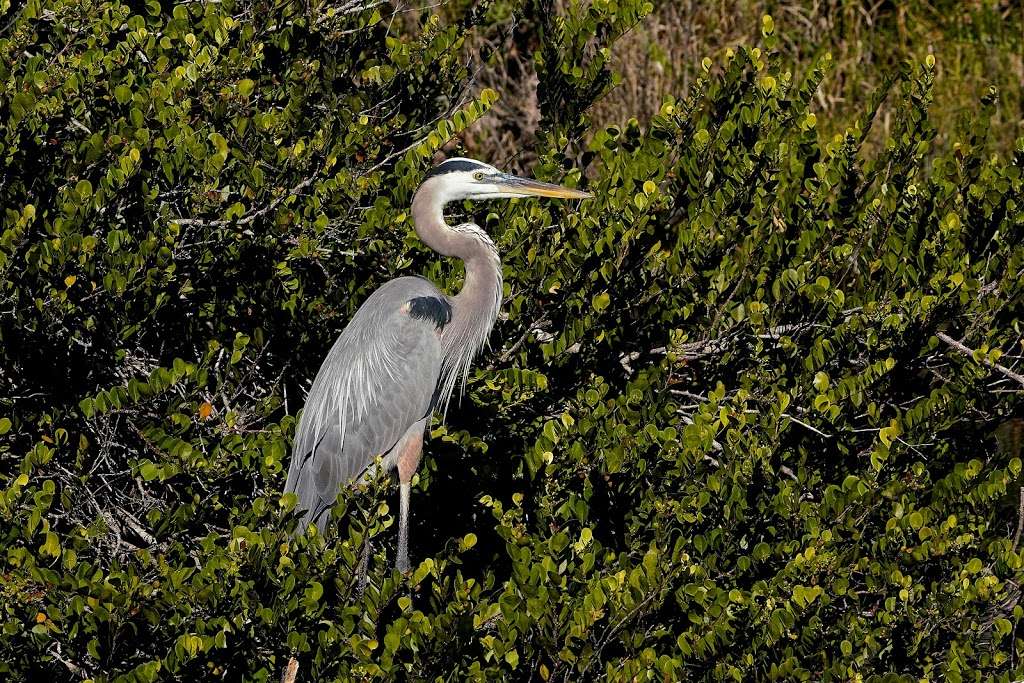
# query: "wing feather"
(377, 381)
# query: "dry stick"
(1020, 520)
(1016, 539)
(361, 572)
(253, 215)
(967, 351)
(71, 666)
(506, 354)
(806, 426)
(290, 671)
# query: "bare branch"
(967, 351)
(290, 671)
(74, 668)
(252, 216)
(806, 426)
(1020, 520)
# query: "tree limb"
(1020, 520)
(968, 351)
(290, 671)
(253, 215)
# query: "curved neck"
(467, 242)
(475, 308)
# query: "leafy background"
(753, 412)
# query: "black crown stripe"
(453, 165)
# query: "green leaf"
(149, 471)
(51, 546)
(123, 94)
(821, 381)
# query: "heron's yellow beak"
(536, 188)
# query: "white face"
(475, 184)
(484, 181)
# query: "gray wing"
(378, 380)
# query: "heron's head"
(460, 178)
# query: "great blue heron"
(404, 350)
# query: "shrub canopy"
(753, 411)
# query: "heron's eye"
(479, 175)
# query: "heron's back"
(377, 381)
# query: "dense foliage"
(754, 412)
(977, 43)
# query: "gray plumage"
(404, 352)
(376, 382)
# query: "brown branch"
(290, 671)
(542, 319)
(136, 526)
(252, 216)
(803, 424)
(1020, 520)
(967, 351)
(75, 669)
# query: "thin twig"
(290, 671)
(1020, 520)
(74, 668)
(249, 218)
(532, 327)
(807, 426)
(967, 351)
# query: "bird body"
(403, 352)
(377, 381)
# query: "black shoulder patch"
(454, 165)
(432, 309)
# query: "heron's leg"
(408, 461)
(402, 561)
